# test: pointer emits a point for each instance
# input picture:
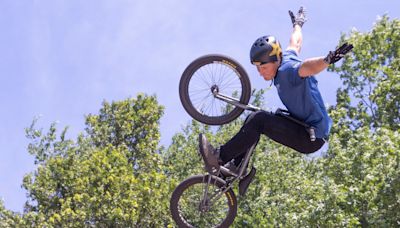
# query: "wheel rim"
(199, 212)
(216, 75)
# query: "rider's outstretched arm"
(315, 65)
(296, 39)
(312, 66)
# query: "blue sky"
(61, 59)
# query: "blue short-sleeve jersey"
(301, 95)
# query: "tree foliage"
(111, 176)
(371, 75)
(133, 125)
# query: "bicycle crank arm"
(235, 102)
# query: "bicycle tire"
(194, 218)
(214, 71)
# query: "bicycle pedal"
(229, 169)
(245, 182)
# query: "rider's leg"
(278, 128)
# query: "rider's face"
(268, 70)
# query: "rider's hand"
(300, 19)
(336, 55)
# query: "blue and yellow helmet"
(265, 49)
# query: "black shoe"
(245, 182)
(209, 154)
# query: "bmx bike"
(215, 90)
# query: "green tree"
(371, 75)
(9, 218)
(132, 124)
(110, 177)
(364, 146)
(366, 170)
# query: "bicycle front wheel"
(199, 203)
(208, 73)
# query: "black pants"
(277, 128)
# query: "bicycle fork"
(210, 197)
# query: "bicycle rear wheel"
(191, 207)
(211, 72)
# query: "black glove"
(336, 55)
(300, 19)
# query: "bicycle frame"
(234, 101)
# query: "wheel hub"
(204, 205)
(214, 89)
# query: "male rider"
(298, 90)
